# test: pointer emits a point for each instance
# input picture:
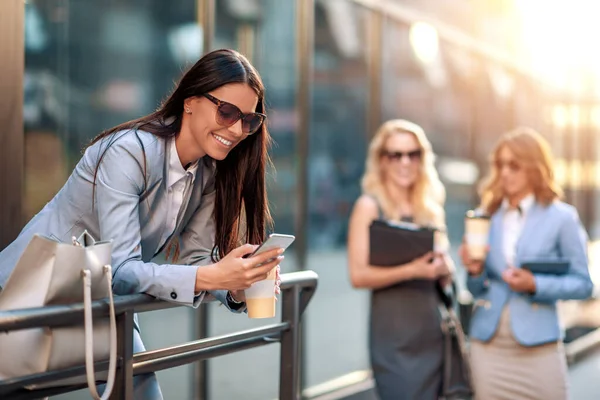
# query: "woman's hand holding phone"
(239, 273)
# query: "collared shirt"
(179, 180)
(512, 225)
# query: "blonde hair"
(427, 195)
(535, 155)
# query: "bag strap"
(380, 214)
(451, 327)
(89, 335)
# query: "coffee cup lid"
(477, 213)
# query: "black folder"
(396, 244)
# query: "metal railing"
(297, 289)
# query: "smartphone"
(274, 241)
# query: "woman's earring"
(188, 111)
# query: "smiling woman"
(401, 183)
(180, 178)
(229, 125)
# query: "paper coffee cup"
(477, 231)
(260, 297)
(440, 242)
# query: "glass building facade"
(333, 70)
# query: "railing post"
(12, 151)
(123, 389)
(200, 378)
(289, 369)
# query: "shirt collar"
(524, 205)
(176, 171)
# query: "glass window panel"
(264, 31)
(88, 66)
(336, 346)
(431, 84)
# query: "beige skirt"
(505, 370)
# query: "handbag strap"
(451, 327)
(89, 335)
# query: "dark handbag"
(456, 374)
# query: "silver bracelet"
(231, 299)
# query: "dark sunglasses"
(414, 155)
(512, 165)
(228, 114)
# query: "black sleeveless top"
(406, 341)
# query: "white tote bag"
(52, 273)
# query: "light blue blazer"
(550, 232)
(132, 213)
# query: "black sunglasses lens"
(251, 123)
(414, 155)
(398, 155)
(511, 165)
(390, 155)
(228, 114)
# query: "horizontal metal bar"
(25, 394)
(303, 279)
(14, 385)
(146, 361)
(263, 332)
(582, 346)
(349, 385)
(65, 315)
(71, 314)
(457, 37)
(448, 33)
(306, 280)
(201, 354)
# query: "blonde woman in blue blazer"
(188, 179)
(516, 346)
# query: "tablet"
(548, 267)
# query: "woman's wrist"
(237, 296)
(408, 271)
(207, 278)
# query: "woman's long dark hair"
(240, 177)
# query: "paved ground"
(585, 378)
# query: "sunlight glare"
(424, 40)
(559, 40)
